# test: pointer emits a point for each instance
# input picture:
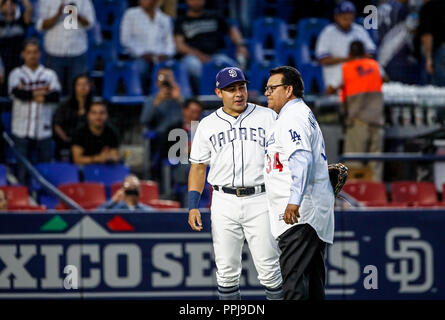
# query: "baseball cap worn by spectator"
(229, 75)
(345, 7)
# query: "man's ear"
(218, 93)
(289, 92)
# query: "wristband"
(194, 197)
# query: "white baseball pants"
(235, 219)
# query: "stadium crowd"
(59, 67)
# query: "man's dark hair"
(291, 77)
(356, 49)
(31, 41)
(189, 101)
(94, 101)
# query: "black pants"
(302, 263)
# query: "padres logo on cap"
(232, 73)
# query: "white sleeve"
(13, 80)
(201, 147)
(295, 135)
(322, 47)
(299, 165)
(170, 49)
(54, 84)
(89, 13)
(127, 26)
(46, 9)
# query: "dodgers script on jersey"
(297, 129)
(233, 146)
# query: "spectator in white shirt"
(147, 33)
(66, 40)
(35, 90)
(332, 48)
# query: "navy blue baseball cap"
(345, 7)
(229, 75)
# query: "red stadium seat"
(370, 194)
(149, 190)
(18, 199)
(414, 193)
(29, 207)
(16, 195)
(87, 194)
(164, 204)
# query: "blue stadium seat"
(105, 51)
(373, 33)
(259, 74)
(122, 73)
(291, 53)
(3, 180)
(180, 74)
(108, 174)
(310, 28)
(56, 173)
(209, 72)
(312, 76)
(269, 29)
(109, 15)
(6, 121)
(109, 12)
(259, 54)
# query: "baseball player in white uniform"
(299, 192)
(231, 140)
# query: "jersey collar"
(289, 103)
(39, 68)
(222, 114)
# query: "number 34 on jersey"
(276, 163)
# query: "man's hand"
(164, 93)
(330, 90)
(204, 58)
(291, 214)
(60, 9)
(147, 57)
(39, 95)
(119, 195)
(195, 219)
(107, 155)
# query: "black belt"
(242, 191)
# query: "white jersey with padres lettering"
(297, 129)
(234, 148)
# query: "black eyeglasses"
(272, 88)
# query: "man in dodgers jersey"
(299, 192)
(232, 141)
